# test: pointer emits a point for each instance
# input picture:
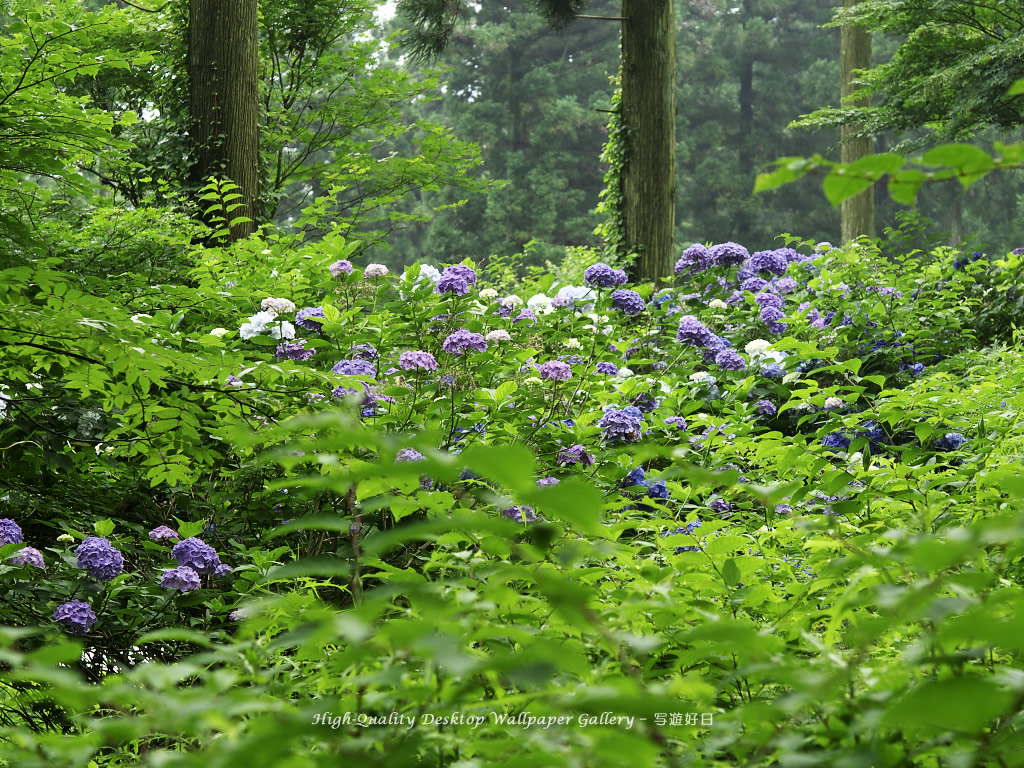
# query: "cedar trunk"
(223, 99)
(857, 214)
(649, 119)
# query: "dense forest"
(550, 383)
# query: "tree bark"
(649, 118)
(223, 99)
(857, 214)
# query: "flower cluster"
(603, 276)
(555, 370)
(98, 558)
(463, 341)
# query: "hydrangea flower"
(341, 267)
(28, 556)
(693, 332)
(277, 306)
(577, 454)
(555, 370)
(461, 270)
(719, 505)
(354, 368)
(307, 318)
(256, 325)
(836, 441)
(540, 303)
(630, 302)
(717, 304)
(282, 330)
(730, 360)
(463, 341)
(520, 514)
(488, 294)
(603, 276)
(729, 254)
(375, 270)
(10, 532)
(163, 533)
(694, 259)
(773, 262)
(753, 285)
(573, 295)
(676, 421)
(785, 285)
(635, 476)
(76, 616)
(950, 441)
(294, 351)
(428, 273)
(196, 554)
(417, 361)
(769, 300)
(409, 454)
(609, 369)
(831, 403)
(765, 408)
(498, 335)
(98, 558)
(657, 490)
(548, 481)
(620, 425)
(183, 579)
(525, 314)
(452, 282)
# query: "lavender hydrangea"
(10, 532)
(773, 262)
(417, 361)
(409, 454)
(730, 360)
(28, 556)
(196, 554)
(461, 270)
(772, 318)
(98, 558)
(609, 369)
(620, 425)
(546, 482)
(354, 368)
(520, 514)
(375, 270)
(696, 258)
(453, 282)
(603, 276)
(676, 421)
(294, 351)
(307, 318)
(729, 254)
(163, 533)
(183, 579)
(719, 505)
(765, 407)
(693, 332)
(753, 284)
(785, 285)
(76, 616)
(577, 454)
(341, 267)
(629, 302)
(364, 352)
(463, 341)
(769, 300)
(555, 370)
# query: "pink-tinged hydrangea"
(620, 425)
(28, 556)
(354, 368)
(98, 558)
(630, 302)
(729, 254)
(555, 370)
(277, 306)
(520, 514)
(196, 554)
(10, 532)
(183, 579)
(577, 454)
(603, 276)
(693, 332)
(417, 361)
(341, 267)
(310, 318)
(163, 533)
(76, 616)
(294, 351)
(609, 369)
(375, 270)
(696, 258)
(463, 341)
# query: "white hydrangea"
(532, 380)
(488, 294)
(831, 403)
(278, 306)
(498, 335)
(757, 347)
(283, 330)
(512, 301)
(717, 304)
(540, 304)
(427, 272)
(256, 325)
(572, 344)
(702, 377)
(624, 373)
(218, 332)
(375, 270)
(577, 293)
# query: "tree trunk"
(649, 120)
(857, 215)
(223, 99)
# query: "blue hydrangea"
(196, 554)
(836, 441)
(773, 262)
(629, 302)
(10, 532)
(620, 425)
(182, 579)
(76, 616)
(98, 558)
(730, 360)
(950, 441)
(693, 332)
(719, 505)
(603, 276)
(657, 490)
(636, 476)
(773, 371)
(729, 254)
(694, 259)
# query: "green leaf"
(1017, 89)
(958, 704)
(840, 185)
(731, 573)
(572, 501)
(511, 465)
(103, 527)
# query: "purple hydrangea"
(769, 300)
(294, 351)
(364, 352)
(772, 262)
(630, 302)
(463, 341)
(772, 315)
(729, 254)
(28, 556)
(836, 441)
(603, 276)
(525, 314)
(694, 259)
(340, 391)
(555, 370)
(307, 317)
(417, 361)
(730, 360)
(785, 285)
(76, 616)
(354, 368)
(609, 369)
(577, 454)
(620, 425)
(341, 267)
(163, 533)
(10, 532)
(98, 558)
(222, 570)
(692, 331)
(676, 421)
(521, 514)
(765, 407)
(950, 441)
(453, 282)
(462, 271)
(183, 579)
(753, 284)
(720, 505)
(196, 554)
(545, 482)
(409, 454)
